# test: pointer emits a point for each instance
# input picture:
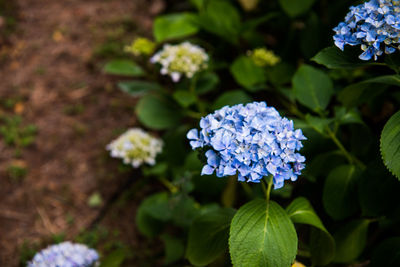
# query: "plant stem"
(192, 88)
(267, 189)
(172, 188)
(351, 158)
(348, 155)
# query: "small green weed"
(15, 134)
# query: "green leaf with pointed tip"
(262, 234)
(206, 82)
(114, 259)
(157, 113)
(357, 93)
(246, 73)
(222, 18)
(377, 190)
(322, 244)
(390, 144)
(184, 98)
(333, 58)
(232, 98)
(124, 68)
(350, 240)
(174, 249)
(295, 8)
(312, 87)
(208, 236)
(340, 195)
(138, 88)
(174, 26)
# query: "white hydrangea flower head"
(183, 59)
(136, 147)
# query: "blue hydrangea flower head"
(251, 141)
(375, 25)
(65, 254)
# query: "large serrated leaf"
(390, 144)
(124, 68)
(208, 236)
(350, 240)
(333, 58)
(262, 234)
(174, 26)
(157, 112)
(322, 244)
(357, 93)
(138, 88)
(296, 7)
(312, 87)
(340, 195)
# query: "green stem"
(229, 194)
(172, 188)
(267, 189)
(192, 88)
(193, 114)
(352, 159)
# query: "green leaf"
(206, 82)
(339, 195)
(334, 58)
(390, 144)
(226, 26)
(157, 113)
(322, 164)
(363, 91)
(387, 253)
(350, 240)
(295, 8)
(208, 236)
(184, 210)
(317, 123)
(246, 73)
(312, 87)
(174, 249)
(114, 259)
(262, 234)
(173, 26)
(157, 206)
(322, 243)
(281, 74)
(344, 116)
(138, 88)
(184, 98)
(377, 190)
(145, 223)
(124, 68)
(231, 98)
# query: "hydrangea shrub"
(340, 211)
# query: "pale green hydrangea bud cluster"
(136, 147)
(263, 57)
(182, 59)
(141, 46)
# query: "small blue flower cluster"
(375, 25)
(252, 141)
(65, 254)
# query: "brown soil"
(50, 68)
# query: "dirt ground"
(51, 68)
